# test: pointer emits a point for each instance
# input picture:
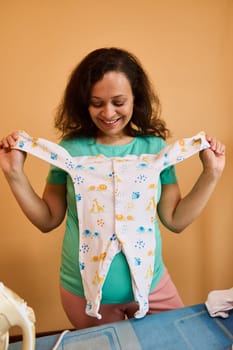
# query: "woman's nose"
(108, 111)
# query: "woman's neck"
(114, 141)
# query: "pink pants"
(163, 298)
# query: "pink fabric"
(165, 296)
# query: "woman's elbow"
(175, 228)
(48, 227)
(45, 229)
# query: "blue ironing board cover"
(183, 329)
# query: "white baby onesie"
(116, 204)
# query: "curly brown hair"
(73, 119)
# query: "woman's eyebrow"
(116, 96)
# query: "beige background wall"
(187, 48)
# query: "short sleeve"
(56, 176)
(168, 176)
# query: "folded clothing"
(219, 302)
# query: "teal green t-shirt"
(117, 287)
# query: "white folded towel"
(219, 302)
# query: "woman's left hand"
(213, 158)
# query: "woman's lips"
(110, 122)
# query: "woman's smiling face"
(111, 106)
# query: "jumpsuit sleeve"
(57, 176)
(168, 175)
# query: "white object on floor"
(15, 312)
(220, 302)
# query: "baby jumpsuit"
(124, 191)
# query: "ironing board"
(184, 329)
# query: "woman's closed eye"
(118, 103)
(97, 103)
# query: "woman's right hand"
(11, 160)
(46, 212)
